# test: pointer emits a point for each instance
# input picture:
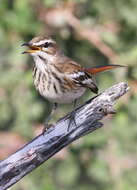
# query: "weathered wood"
(46, 145)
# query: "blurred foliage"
(106, 159)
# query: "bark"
(87, 119)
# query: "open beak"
(32, 48)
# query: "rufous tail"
(97, 69)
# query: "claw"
(46, 127)
(71, 119)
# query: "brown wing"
(67, 65)
(75, 73)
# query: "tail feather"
(97, 69)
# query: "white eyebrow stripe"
(43, 42)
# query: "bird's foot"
(46, 127)
(71, 120)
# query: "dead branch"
(44, 146)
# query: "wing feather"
(77, 74)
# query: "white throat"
(40, 64)
(43, 62)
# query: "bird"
(58, 78)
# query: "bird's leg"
(72, 115)
(46, 123)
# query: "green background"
(107, 158)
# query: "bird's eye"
(46, 44)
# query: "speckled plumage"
(58, 78)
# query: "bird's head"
(41, 46)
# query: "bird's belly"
(63, 98)
(54, 90)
